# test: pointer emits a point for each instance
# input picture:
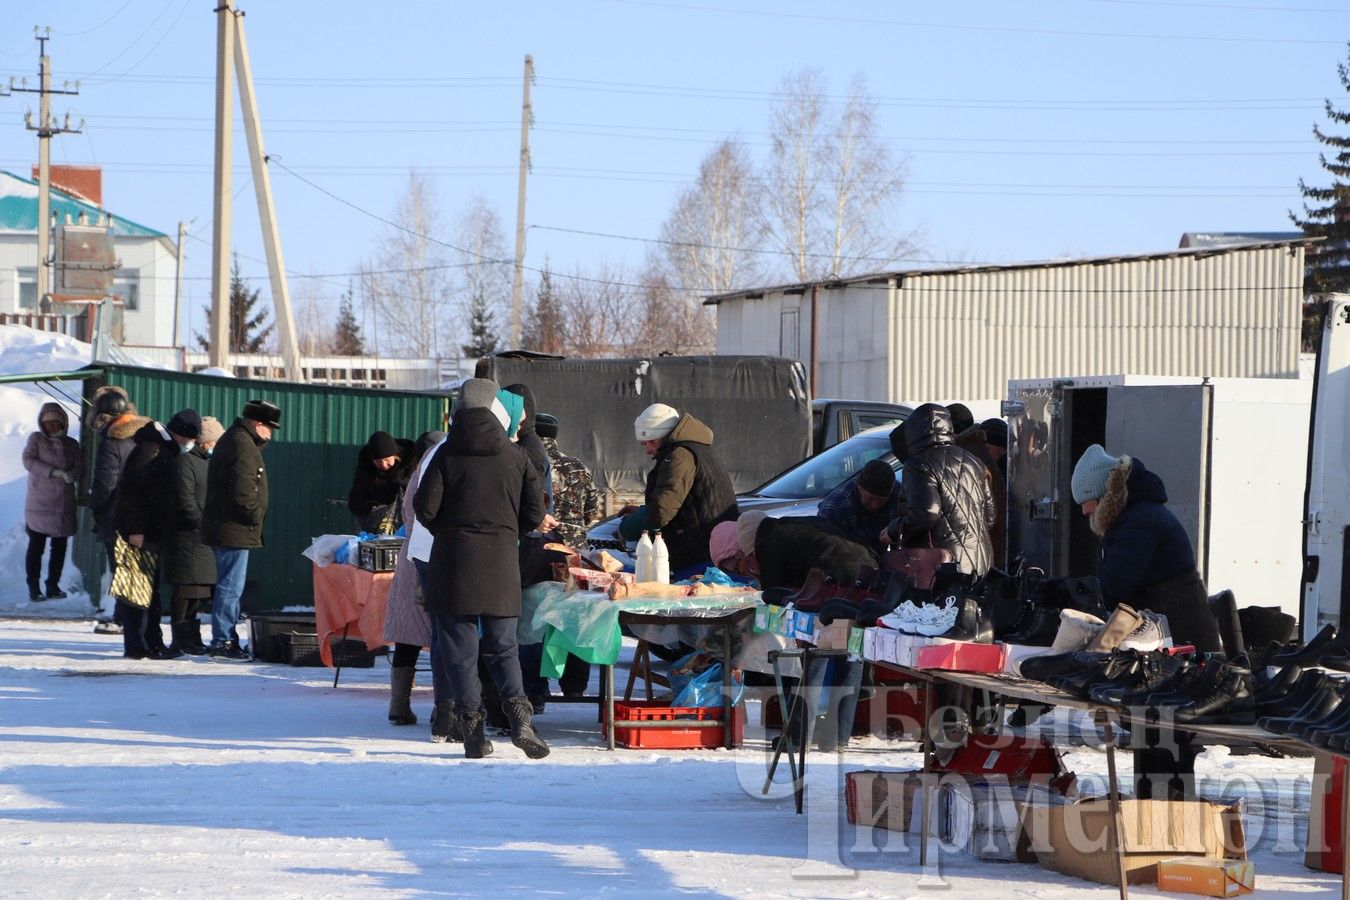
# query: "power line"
(995, 29)
(137, 40)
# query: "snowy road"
(200, 777)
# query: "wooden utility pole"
(518, 277)
(178, 284)
(219, 354)
(267, 213)
(46, 129)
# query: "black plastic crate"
(268, 633)
(303, 650)
(379, 555)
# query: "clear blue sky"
(1031, 130)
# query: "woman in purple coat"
(54, 466)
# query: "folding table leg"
(337, 669)
(1113, 789)
(608, 688)
(787, 709)
(926, 774)
(1345, 835)
(728, 704)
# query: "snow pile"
(24, 351)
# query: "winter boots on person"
(444, 725)
(519, 712)
(476, 744)
(400, 696)
(186, 631)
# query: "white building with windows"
(147, 259)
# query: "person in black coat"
(378, 483)
(529, 440)
(479, 494)
(234, 515)
(143, 493)
(189, 565)
(948, 503)
(1146, 561)
(114, 419)
(781, 552)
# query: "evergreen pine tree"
(249, 330)
(1326, 213)
(347, 338)
(543, 330)
(482, 329)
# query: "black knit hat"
(382, 444)
(995, 432)
(546, 426)
(186, 423)
(877, 478)
(962, 417)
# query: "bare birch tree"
(792, 184)
(864, 188)
(313, 320)
(831, 186)
(407, 280)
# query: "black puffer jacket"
(947, 498)
(374, 490)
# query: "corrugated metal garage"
(962, 333)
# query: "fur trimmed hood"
(126, 425)
(1130, 481)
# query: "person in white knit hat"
(688, 490)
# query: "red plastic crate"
(639, 738)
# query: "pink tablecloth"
(350, 600)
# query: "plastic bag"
(347, 552)
(323, 550)
(714, 575)
(705, 689)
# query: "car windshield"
(822, 473)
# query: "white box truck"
(1232, 453)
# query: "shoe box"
(961, 656)
(886, 645)
(1207, 877)
(1074, 838)
(1325, 816)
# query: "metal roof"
(898, 274)
(19, 209)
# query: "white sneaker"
(1147, 635)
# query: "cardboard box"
(770, 618)
(983, 818)
(1207, 877)
(1075, 838)
(833, 636)
(883, 799)
(961, 656)
(804, 626)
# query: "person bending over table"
(780, 553)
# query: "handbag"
(134, 580)
(919, 564)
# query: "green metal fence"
(309, 461)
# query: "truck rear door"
(1326, 588)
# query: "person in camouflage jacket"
(576, 504)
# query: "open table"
(349, 602)
(1109, 717)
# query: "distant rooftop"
(1233, 238)
(19, 205)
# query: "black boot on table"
(1277, 685)
(1311, 652)
(1317, 707)
(1229, 702)
(1336, 720)
(1174, 672)
(1309, 683)
(1154, 669)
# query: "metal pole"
(219, 355)
(815, 343)
(178, 287)
(1113, 801)
(518, 277)
(267, 213)
(44, 222)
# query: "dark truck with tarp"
(758, 407)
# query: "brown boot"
(1123, 621)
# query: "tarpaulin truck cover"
(758, 408)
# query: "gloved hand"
(63, 474)
(67, 476)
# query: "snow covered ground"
(122, 777)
